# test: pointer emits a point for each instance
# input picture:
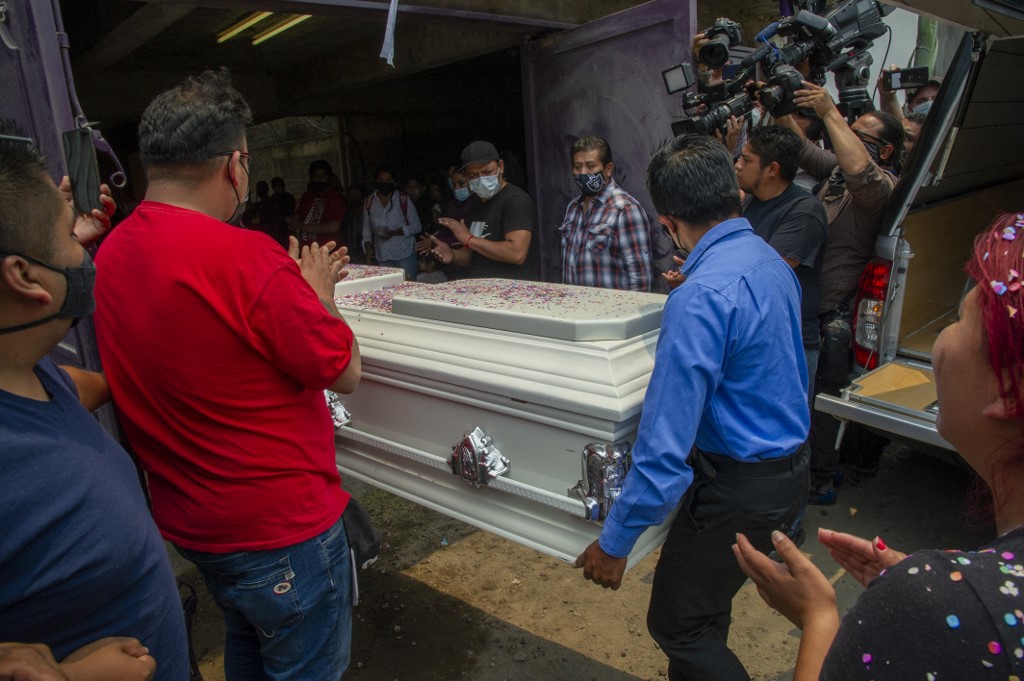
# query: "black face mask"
(385, 187)
(236, 218)
(317, 186)
(873, 151)
(79, 301)
(589, 183)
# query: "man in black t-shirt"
(794, 223)
(495, 236)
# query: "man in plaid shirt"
(606, 236)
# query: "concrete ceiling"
(124, 52)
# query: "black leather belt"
(729, 466)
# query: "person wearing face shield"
(218, 346)
(856, 180)
(81, 557)
(606, 236)
(495, 235)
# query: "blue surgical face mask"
(79, 301)
(923, 107)
(485, 186)
(461, 194)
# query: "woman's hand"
(863, 559)
(795, 588)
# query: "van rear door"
(965, 169)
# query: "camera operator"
(857, 177)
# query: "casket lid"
(363, 278)
(574, 313)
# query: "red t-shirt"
(319, 207)
(217, 352)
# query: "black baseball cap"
(479, 152)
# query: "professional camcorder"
(836, 41)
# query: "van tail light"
(868, 311)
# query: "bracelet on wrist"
(466, 245)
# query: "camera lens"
(715, 53)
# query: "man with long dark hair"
(856, 180)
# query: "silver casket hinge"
(477, 460)
(340, 415)
(604, 470)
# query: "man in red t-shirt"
(226, 413)
(321, 210)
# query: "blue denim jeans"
(288, 611)
(409, 263)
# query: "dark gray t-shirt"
(510, 210)
(794, 223)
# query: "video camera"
(836, 41)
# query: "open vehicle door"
(966, 167)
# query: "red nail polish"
(880, 544)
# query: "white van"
(967, 166)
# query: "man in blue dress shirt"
(725, 417)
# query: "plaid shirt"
(608, 245)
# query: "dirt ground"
(448, 601)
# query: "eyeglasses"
(243, 154)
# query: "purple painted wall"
(33, 92)
(602, 78)
(32, 89)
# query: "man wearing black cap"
(321, 209)
(496, 242)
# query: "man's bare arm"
(93, 391)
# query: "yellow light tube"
(281, 27)
(248, 22)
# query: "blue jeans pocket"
(266, 594)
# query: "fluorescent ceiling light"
(248, 22)
(280, 27)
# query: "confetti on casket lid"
(559, 311)
(368, 278)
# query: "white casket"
(537, 372)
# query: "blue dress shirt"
(729, 375)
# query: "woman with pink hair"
(934, 615)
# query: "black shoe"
(822, 497)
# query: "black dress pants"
(697, 574)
